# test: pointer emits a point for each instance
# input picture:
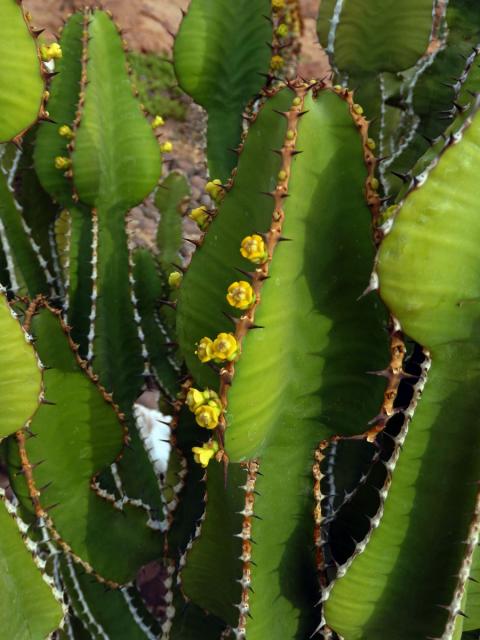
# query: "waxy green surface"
(21, 81)
(28, 609)
(21, 381)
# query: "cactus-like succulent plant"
(283, 431)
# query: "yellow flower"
(55, 51)
(277, 62)
(158, 121)
(282, 30)
(225, 347)
(51, 52)
(253, 249)
(166, 147)
(202, 455)
(195, 399)
(278, 4)
(66, 132)
(371, 143)
(215, 190)
(62, 163)
(374, 183)
(200, 216)
(204, 350)
(358, 109)
(207, 416)
(240, 295)
(175, 279)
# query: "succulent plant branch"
(273, 236)
(279, 479)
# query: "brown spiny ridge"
(28, 468)
(252, 468)
(394, 374)
(271, 239)
(317, 516)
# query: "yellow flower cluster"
(215, 190)
(175, 279)
(278, 4)
(62, 163)
(240, 295)
(50, 52)
(282, 30)
(166, 147)
(206, 407)
(200, 216)
(158, 121)
(202, 455)
(253, 249)
(224, 347)
(66, 132)
(277, 62)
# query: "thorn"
(51, 507)
(247, 274)
(384, 373)
(252, 325)
(372, 286)
(404, 177)
(197, 243)
(427, 139)
(168, 303)
(45, 401)
(232, 319)
(281, 113)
